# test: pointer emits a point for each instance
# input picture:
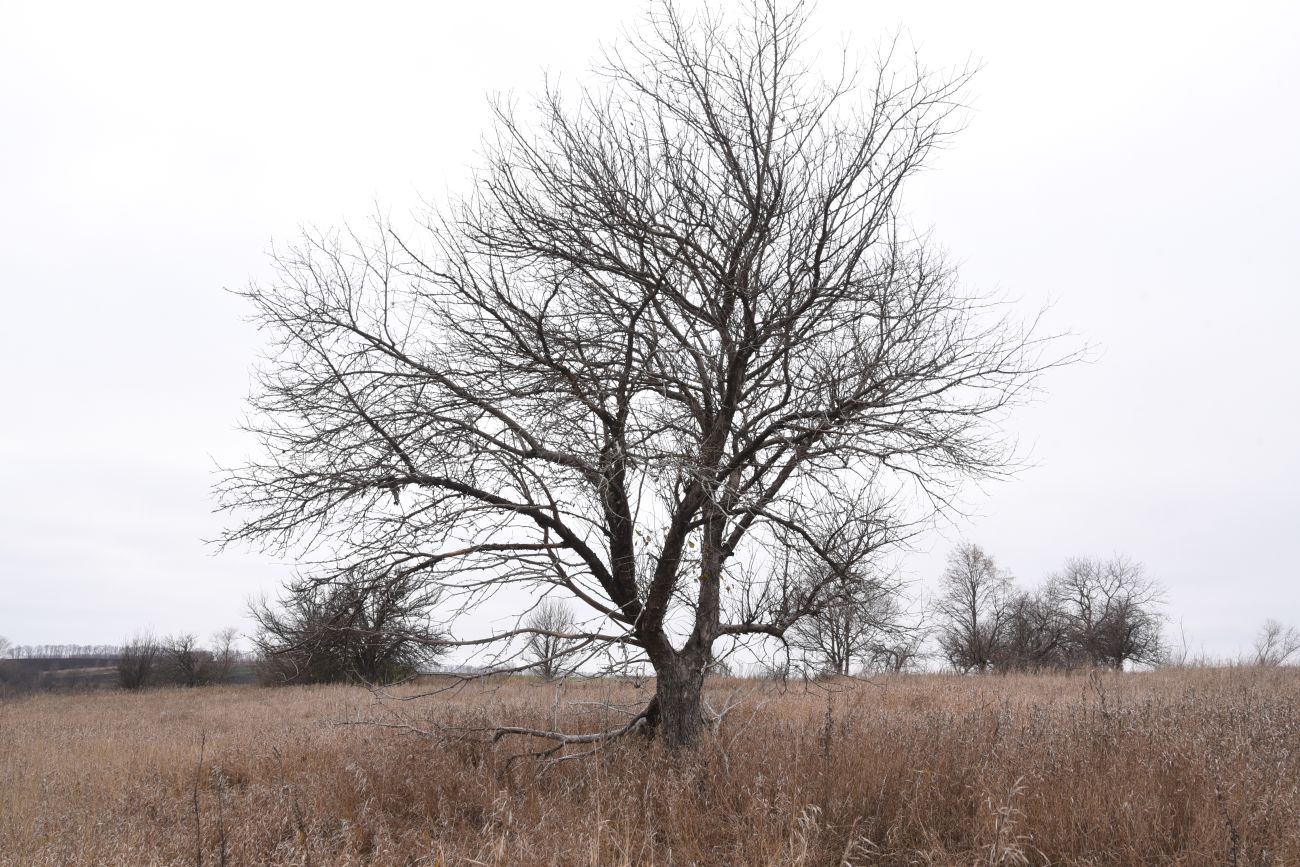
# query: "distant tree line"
(1092, 613)
(377, 626)
(58, 651)
(178, 660)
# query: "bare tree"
(677, 332)
(860, 621)
(1111, 609)
(1035, 634)
(187, 663)
(4, 646)
(898, 653)
(360, 624)
(1276, 644)
(973, 609)
(225, 653)
(137, 661)
(549, 639)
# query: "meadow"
(1189, 767)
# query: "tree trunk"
(677, 715)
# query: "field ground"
(1172, 767)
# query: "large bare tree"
(677, 334)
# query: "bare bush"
(137, 661)
(1276, 644)
(225, 653)
(359, 625)
(185, 662)
(898, 652)
(1035, 635)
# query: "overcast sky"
(1135, 165)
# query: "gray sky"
(1136, 165)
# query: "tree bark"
(676, 715)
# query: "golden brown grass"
(1178, 767)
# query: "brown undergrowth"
(1175, 767)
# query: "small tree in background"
(972, 609)
(549, 638)
(1036, 635)
(225, 653)
(137, 661)
(4, 647)
(361, 625)
(1111, 610)
(1276, 644)
(185, 662)
(898, 652)
(860, 620)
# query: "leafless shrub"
(184, 661)
(362, 624)
(898, 652)
(137, 661)
(721, 668)
(1035, 635)
(1276, 644)
(225, 653)
(777, 669)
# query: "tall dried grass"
(1180, 767)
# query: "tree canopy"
(677, 357)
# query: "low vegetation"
(1194, 766)
(364, 626)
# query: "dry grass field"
(1178, 767)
